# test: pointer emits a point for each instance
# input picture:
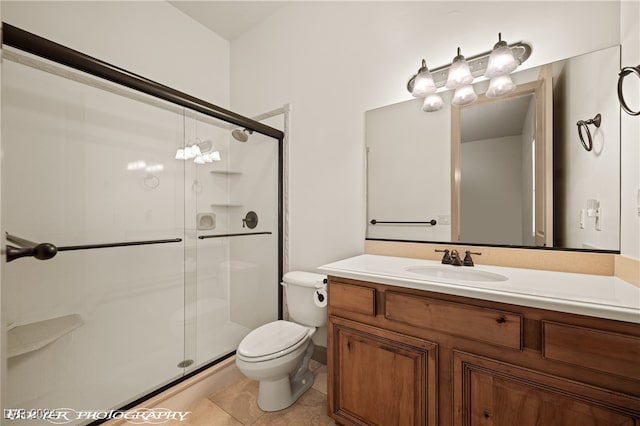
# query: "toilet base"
(280, 394)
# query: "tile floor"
(233, 402)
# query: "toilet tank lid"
(307, 279)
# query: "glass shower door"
(167, 231)
(232, 237)
(91, 327)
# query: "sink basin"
(460, 273)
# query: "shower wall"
(94, 163)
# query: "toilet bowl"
(277, 354)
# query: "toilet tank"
(300, 288)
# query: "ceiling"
(229, 19)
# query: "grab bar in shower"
(204, 237)
(45, 251)
(431, 222)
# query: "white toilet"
(277, 354)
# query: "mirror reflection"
(509, 171)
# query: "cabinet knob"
(501, 320)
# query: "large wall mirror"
(510, 171)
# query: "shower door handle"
(46, 251)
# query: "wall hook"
(581, 123)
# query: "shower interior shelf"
(27, 338)
(227, 173)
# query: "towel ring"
(581, 123)
(623, 73)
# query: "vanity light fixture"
(464, 95)
(459, 73)
(501, 60)
(500, 86)
(432, 102)
(423, 84)
(495, 64)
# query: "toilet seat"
(273, 340)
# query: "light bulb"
(464, 95)
(501, 60)
(459, 73)
(500, 86)
(423, 84)
(432, 103)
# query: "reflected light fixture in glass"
(464, 95)
(459, 73)
(500, 86)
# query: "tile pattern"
(234, 402)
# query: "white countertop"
(584, 294)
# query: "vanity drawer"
(352, 298)
(487, 325)
(596, 349)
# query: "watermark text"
(60, 416)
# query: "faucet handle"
(446, 259)
(468, 261)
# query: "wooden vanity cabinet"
(405, 357)
(382, 377)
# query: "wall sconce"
(495, 64)
(423, 82)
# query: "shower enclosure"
(142, 241)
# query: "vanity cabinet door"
(380, 377)
(493, 393)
